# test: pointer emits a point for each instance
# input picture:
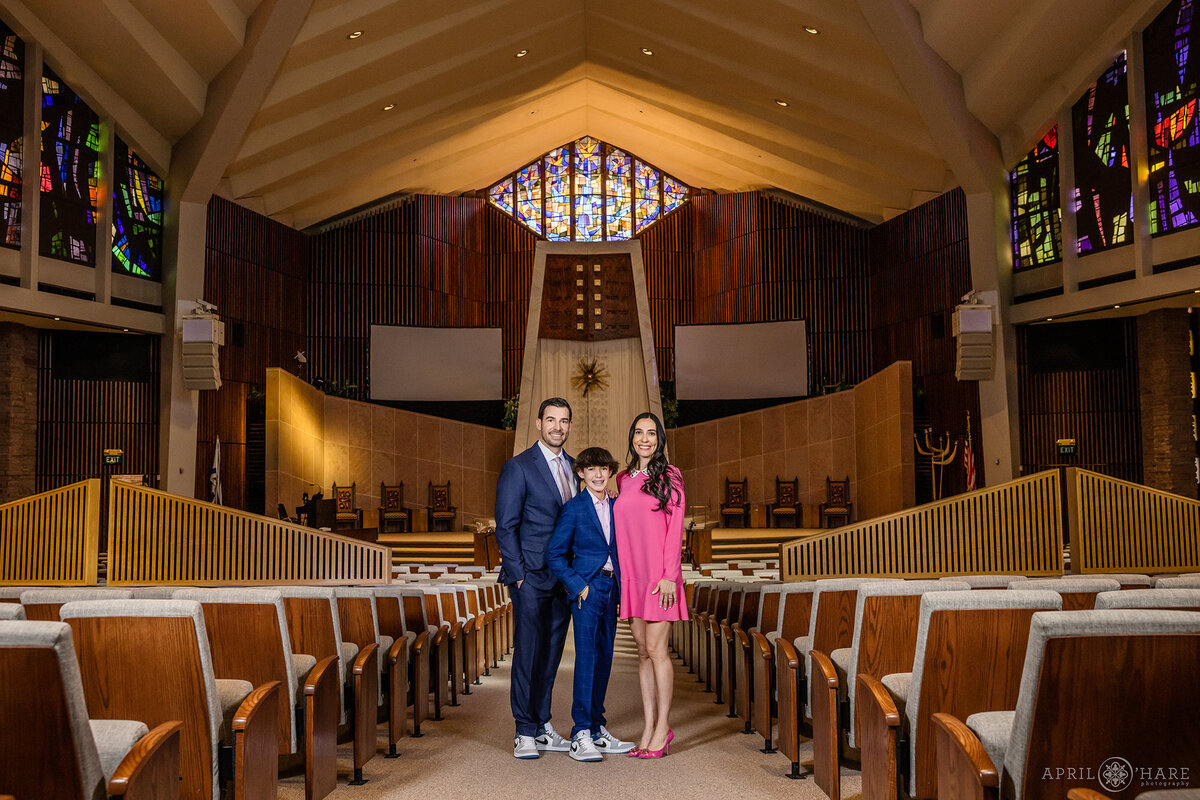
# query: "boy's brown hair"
(595, 457)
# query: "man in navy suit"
(534, 485)
(583, 554)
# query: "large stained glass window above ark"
(1036, 221)
(1103, 194)
(588, 191)
(137, 216)
(70, 173)
(12, 129)
(1172, 59)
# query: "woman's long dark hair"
(658, 482)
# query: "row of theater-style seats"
(129, 692)
(944, 689)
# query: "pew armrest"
(151, 767)
(788, 655)
(326, 669)
(963, 767)
(256, 743)
(1085, 794)
(878, 700)
(878, 738)
(824, 671)
(761, 644)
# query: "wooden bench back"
(833, 627)
(768, 611)
(391, 614)
(751, 596)
(312, 628)
(797, 612)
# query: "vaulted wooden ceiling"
(888, 103)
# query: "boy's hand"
(583, 595)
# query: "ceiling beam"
(970, 149)
(234, 97)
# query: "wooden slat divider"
(1119, 526)
(1012, 528)
(160, 538)
(52, 538)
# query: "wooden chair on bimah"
(440, 515)
(884, 639)
(348, 515)
(249, 641)
(44, 604)
(393, 516)
(837, 505)
(164, 673)
(359, 614)
(786, 508)
(51, 749)
(830, 625)
(314, 626)
(736, 507)
(1097, 686)
(1077, 595)
(969, 656)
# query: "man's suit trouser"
(541, 617)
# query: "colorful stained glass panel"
(674, 193)
(558, 194)
(1036, 222)
(501, 195)
(1103, 194)
(618, 211)
(1172, 90)
(589, 199)
(137, 216)
(12, 131)
(529, 196)
(70, 173)
(647, 205)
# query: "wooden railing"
(160, 538)
(1118, 526)
(1014, 528)
(52, 538)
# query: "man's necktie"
(564, 485)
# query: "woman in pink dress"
(648, 517)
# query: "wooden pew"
(150, 660)
(11, 611)
(1179, 599)
(389, 606)
(248, 637)
(1096, 684)
(314, 626)
(742, 671)
(883, 641)
(697, 607)
(43, 604)
(830, 626)
(969, 656)
(422, 612)
(761, 663)
(50, 749)
(360, 625)
(790, 687)
(724, 643)
(1078, 594)
(1128, 580)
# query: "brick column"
(1164, 386)
(18, 410)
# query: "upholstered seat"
(10, 611)
(44, 604)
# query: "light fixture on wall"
(354, 34)
(301, 359)
(646, 51)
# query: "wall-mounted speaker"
(974, 343)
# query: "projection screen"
(739, 362)
(435, 363)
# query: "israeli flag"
(214, 477)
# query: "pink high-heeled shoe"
(659, 753)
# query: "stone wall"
(1164, 386)
(18, 411)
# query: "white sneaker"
(551, 742)
(582, 748)
(607, 743)
(525, 747)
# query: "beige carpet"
(469, 753)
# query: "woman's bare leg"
(664, 680)
(645, 679)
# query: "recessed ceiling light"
(1049, 319)
(646, 51)
(522, 53)
(781, 103)
(58, 319)
(1117, 306)
(125, 329)
(389, 106)
(811, 30)
(354, 34)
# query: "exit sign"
(113, 457)
(1066, 447)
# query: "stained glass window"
(558, 194)
(1036, 223)
(589, 198)
(12, 129)
(1103, 194)
(588, 191)
(70, 173)
(137, 215)
(1172, 91)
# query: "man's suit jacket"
(578, 550)
(528, 502)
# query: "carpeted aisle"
(469, 753)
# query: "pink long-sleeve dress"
(649, 543)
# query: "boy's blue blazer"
(577, 550)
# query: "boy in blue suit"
(583, 555)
